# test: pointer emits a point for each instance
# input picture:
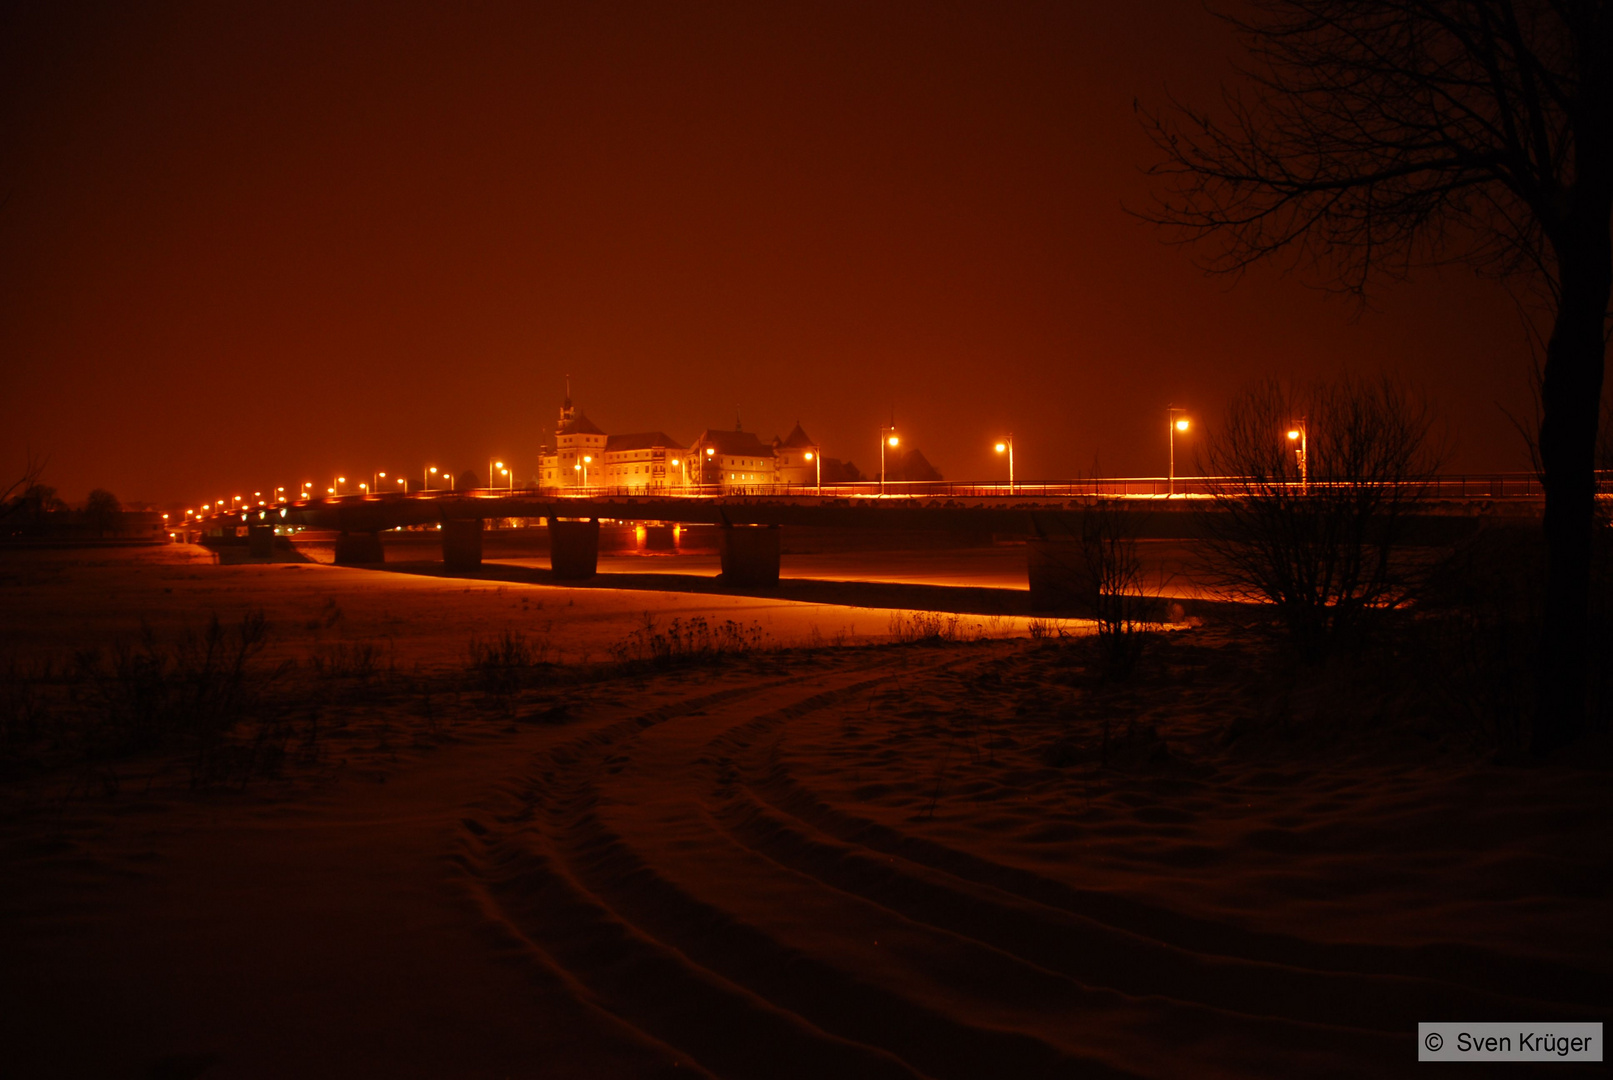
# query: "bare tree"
(1383, 134)
(1112, 562)
(1317, 535)
(15, 496)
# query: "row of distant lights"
(1179, 423)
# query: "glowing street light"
(1008, 445)
(404, 484)
(1298, 435)
(492, 469)
(340, 480)
(816, 458)
(425, 478)
(885, 440)
(1176, 421)
(587, 460)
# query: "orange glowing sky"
(253, 245)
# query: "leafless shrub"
(685, 640)
(347, 660)
(931, 626)
(1320, 544)
(507, 662)
(1114, 566)
(192, 689)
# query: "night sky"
(248, 245)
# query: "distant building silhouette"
(910, 465)
(561, 463)
(731, 459)
(794, 457)
(643, 462)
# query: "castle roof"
(797, 439)
(734, 443)
(647, 440)
(579, 424)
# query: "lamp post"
(1008, 445)
(816, 458)
(1176, 421)
(492, 470)
(425, 478)
(587, 460)
(1297, 434)
(884, 440)
(405, 485)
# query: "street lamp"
(1008, 445)
(405, 484)
(425, 478)
(492, 468)
(1176, 421)
(817, 461)
(340, 480)
(587, 460)
(1298, 435)
(884, 441)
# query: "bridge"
(1049, 516)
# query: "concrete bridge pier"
(359, 548)
(1061, 579)
(260, 541)
(462, 544)
(750, 554)
(573, 548)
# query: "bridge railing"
(1457, 486)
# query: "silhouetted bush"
(1114, 567)
(101, 510)
(505, 663)
(685, 640)
(1322, 547)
